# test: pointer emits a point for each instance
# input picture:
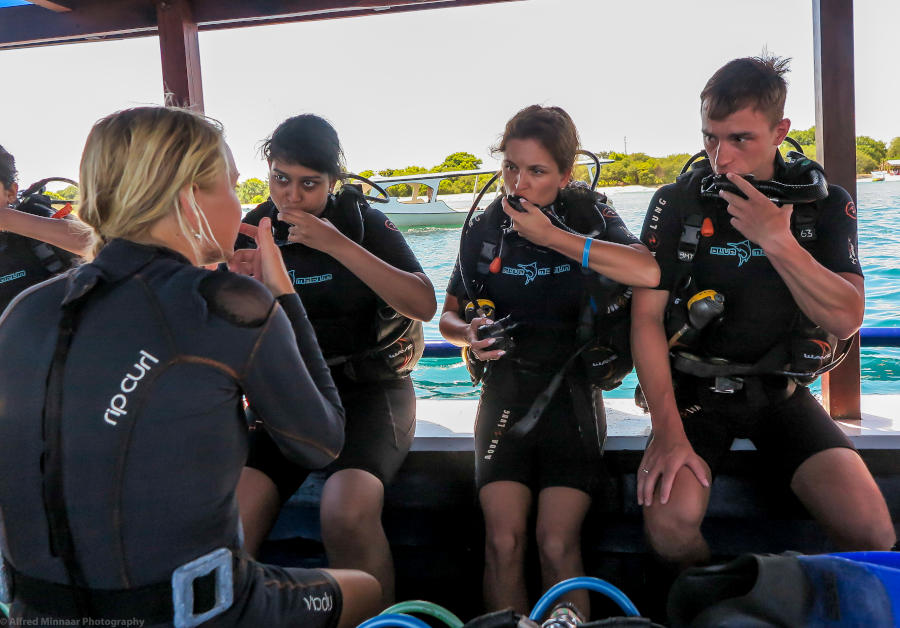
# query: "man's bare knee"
(673, 528)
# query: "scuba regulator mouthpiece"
(499, 330)
(516, 202)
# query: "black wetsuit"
(759, 311)
(343, 311)
(25, 262)
(153, 435)
(543, 291)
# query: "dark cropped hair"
(551, 126)
(306, 140)
(756, 82)
(8, 174)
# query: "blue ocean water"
(879, 249)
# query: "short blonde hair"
(135, 164)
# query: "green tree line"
(626, 169)
(871, 154)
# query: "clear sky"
(412, 88)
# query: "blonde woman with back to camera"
(121, 400)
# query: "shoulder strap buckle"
(803, 223)
(690, 237)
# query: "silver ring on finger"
(645, 470)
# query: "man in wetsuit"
(749, 254)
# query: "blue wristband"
(586, 256)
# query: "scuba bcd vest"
(24, 261)
(806, 350)
(399, 342)
(602, 332)
(603, 328)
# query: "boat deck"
(446, 425)
(434, 524)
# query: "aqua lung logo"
(303, 281)
(742, 250)
(12, 276)
(119, 403)
(319, 603)
(498, 432)
(530, 271)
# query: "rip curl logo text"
(742, 250)
(119, 402)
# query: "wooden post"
(836, 150)
(180, 51)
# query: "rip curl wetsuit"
(381, 416)
(786, 424)
(152, 435)
(543, 291)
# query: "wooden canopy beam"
(836, 150)
(56, 5)
(91, 20)
(180, 51)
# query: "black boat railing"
(868, 337)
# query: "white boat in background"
(878, 175)
(423, 206)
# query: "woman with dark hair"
(359, 281)
(120, 402)
(537, 289)
(32, 247)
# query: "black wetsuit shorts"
(381, 421)
(264, 595)
(783, 421)
(552, 454)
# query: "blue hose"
(397, 620)
(583, 582)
